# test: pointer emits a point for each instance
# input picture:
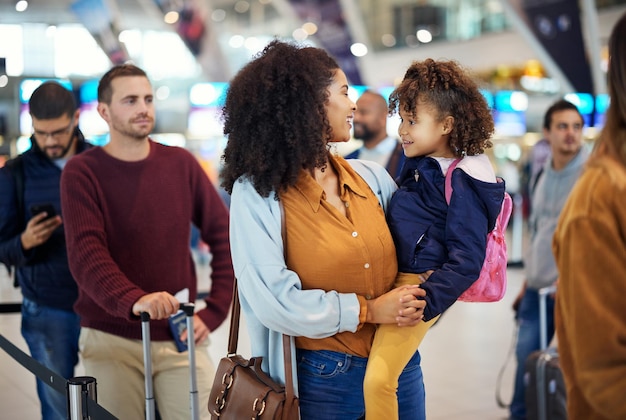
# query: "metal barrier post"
(78, 390)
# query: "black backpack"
(15, 165)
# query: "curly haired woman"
(329, 283)
(444, 117)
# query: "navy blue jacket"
(430, 235)
(42, 272)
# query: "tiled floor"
(462, 355)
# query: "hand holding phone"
(38, 231)
(48, 208)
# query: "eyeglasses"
(56, 134)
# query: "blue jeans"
(528, 340)
(52, 337)
(331, 386)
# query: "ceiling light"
(218, 15)
(51, 31)
(162, 93)
(242, 6)
(388, 40)
(236, 41)
(358, 49)
(299, 34)
(310, 28)
(171, 17)
(21, 5)
(424, 36)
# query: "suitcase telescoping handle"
(188, 308)
(147, 365)
(543, 315)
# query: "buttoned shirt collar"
(314, 193)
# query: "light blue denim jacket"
(271, 297)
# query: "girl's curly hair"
(444, 86)
(275, 117)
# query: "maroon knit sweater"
(128, 225)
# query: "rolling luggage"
(545, 387)
(188, 308)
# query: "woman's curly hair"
(444, 86)
(275, 117)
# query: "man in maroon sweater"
(128, 209)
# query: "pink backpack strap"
(448, 184)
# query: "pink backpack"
(491, 285)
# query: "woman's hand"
(400, 306)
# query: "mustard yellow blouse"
(350, 254)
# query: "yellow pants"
(392, 349)
(117, 365)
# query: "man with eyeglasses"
(33, 240)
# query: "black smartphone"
(35, 209)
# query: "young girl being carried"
(444, 117)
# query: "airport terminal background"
(191, 48)
(190, 53)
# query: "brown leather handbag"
(241, 390)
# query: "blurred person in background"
(531, 170)
(590, 250)
(370, 126)
(563, 129)
(129, 209)
(539, 154)
(35, 243)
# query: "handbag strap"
(233, 336)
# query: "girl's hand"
(399, 306)
(413, 311)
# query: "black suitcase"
(545, 387)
